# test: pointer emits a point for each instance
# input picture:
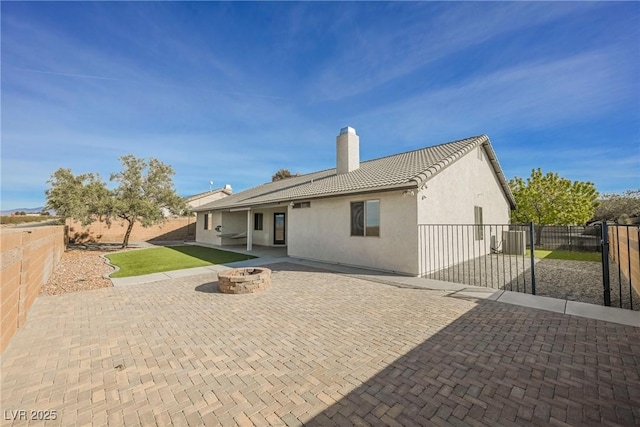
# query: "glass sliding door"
(279, 229)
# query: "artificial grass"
(168, 258)
(567, 255)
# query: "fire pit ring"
(244, 280)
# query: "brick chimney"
(347, 150)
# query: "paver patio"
(315, 348)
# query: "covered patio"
(264, 226)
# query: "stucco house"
(365, 213)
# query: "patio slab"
(316, 348)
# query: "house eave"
(498, 170)
(483, 140)
(286, 201)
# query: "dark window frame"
(258, 221)
(478, 221)
(360, 216)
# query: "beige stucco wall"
(264, 237)
(449, 198)
(208, 236)
(322, 232)
(451, 195)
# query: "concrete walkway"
(317, 348)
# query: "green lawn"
(156, 260)
(568, 255)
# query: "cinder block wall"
(28, 256)
(181, 228)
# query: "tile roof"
(405, 170)
(206, 193)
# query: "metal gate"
(539, 260)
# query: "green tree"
(619, 207)
(282, 174)
(144, 194)
(549, 199)
(84, 197)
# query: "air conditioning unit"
(514, 242)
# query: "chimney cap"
(348, 129)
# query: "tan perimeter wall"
(624, 247)
(28, 257)
(180, 228)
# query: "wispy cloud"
(377, 54)
(528, 96)
(232, 92)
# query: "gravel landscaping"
(78, 270)
(82, 268)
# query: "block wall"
(173, 229)
(28, 256)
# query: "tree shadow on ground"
(102, 247)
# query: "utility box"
(514, 242)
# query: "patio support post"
(249, 231)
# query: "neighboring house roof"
(226, 190)
(405, 170)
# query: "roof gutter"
(274, 203)
(498, 170)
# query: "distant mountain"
(25, 210)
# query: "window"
(365, 218)
(257, 221)
(300, 205)
(477, 215)
(207, 223)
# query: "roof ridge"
(377, 158)
(425, 148)
(423, 176)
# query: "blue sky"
(232, 92)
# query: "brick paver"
(315, 348)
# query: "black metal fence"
(565, 237)
(502, 256)
(489, 255)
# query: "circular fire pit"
(244, 280)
